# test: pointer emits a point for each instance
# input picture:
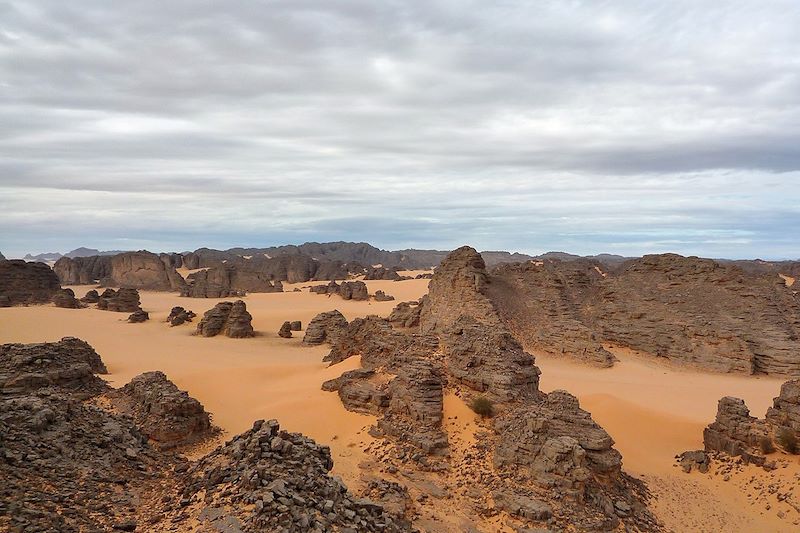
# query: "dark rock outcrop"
(82, 270)
(381, 296)
(69, 364)
(295, 325)
(142, 270)
(66, 298)
(24, 283)
(121, 301)
(138, 317)
(406, 314)
(348, 290)
(324, 327)
(165, 414)
(178, 315)
(686, 309)
(785, 411)
(286, 330)
(381, 273)
(228, 280)
(228, 318)
(91, 297)
(734, 431)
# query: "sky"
(625, 127)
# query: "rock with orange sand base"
(23, 283)
(228, 318)
(324, 327)
(66, 298)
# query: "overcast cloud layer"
(627, 127)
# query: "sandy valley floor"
(652, 411)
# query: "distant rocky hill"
(714, 315)
(77, 252)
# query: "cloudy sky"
(627, 127)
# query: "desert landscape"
(399, 267)
(435, 397)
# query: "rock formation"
(24, 283)
(380, 273)
(99, 465)
(324, 327)
(406, 314)
(169, 417)
(142, 270)
(736, 433)
(82, 270)
(228, 318)
(91, 297)
(785, 411)
(348, 290)
(121, 301)
(69, 364)
(228, 280)
(66, 298)
(286, 330)
(295, 325)
(138, 317)
(178, 315)
(686, 309)
(550, 462)
(381, 296)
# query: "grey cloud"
(587, 126)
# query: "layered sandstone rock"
(82, 270)
(550, 459)
(458, 288)
(735, 432)
(785, 411)
(23, 283)
(168, 416)
(286, 330)
(66, 298)
(406, 314)
(69, 364)
(381, 273)
(122, 301)
(83, 466)
(142, 270)
(381, 296)
(138, 317)
(686, 309)
(228, 318)
(178, 315)
(324, 327)
(228, 280)
(91, 297)
(348, 290)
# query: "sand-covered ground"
(653, 411)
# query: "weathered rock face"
(542, 305)
(734, 431)
(91, 297)
(69, 364)
(550, 459)
(286, 475)
(295, 325)
(82, 270)
(228, 280)
(381, 296)
(228, 318)
(166, 415)
(406, 314)
(489, 360)
(324, 327)
(381, 273)
(691, 310)
(51, 440)
(66, 298)
(24, 283)
(142, 270)
(348, 290)
(785, 411)
(286, 330)
(556, 441)
(178, 315)
(138, 316)
(458, 288)
(121, 301)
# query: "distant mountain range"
(77, 252)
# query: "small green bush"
(482, 406)
(788, 441)
(766, 445)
